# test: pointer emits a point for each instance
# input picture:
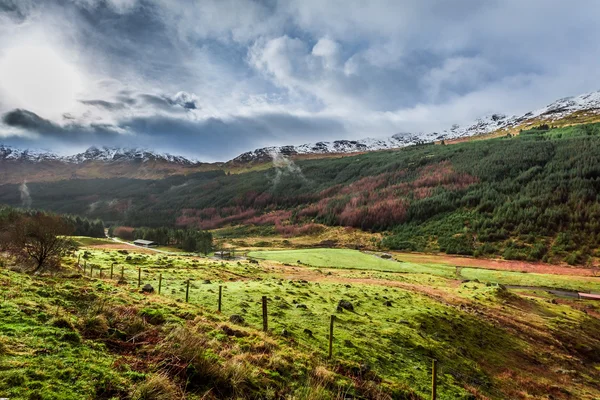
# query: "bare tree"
(38, 239)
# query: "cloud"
(218, 77)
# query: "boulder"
(236, 319)
(345, 305)
(147, 288)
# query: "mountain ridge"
(115, 161)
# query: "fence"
(139, 277)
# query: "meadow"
(392, 319)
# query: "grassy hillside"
(529, 197)
(75, 336)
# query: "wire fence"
(186, 289)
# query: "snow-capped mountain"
(11, 153)
(140, 161)
(115, 154)
(555, 111)
(104, 154)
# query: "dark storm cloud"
(30, 121)
(229, 137)
(200, 139)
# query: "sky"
(212, 79)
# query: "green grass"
(353, 259)
(429, 316)
(349, 259)
(89, 241)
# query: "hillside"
(530, 197)
(77, 333)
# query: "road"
(114, 239)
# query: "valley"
(468, 261)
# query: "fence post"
(434, 380)
(264, 313)
(220, 295)
(331, 336)
(122, 272)
(159, 282)
(112, 266)
(84, 266)
(79, 260)
(91, 270)
(139, 276)
(187, 291)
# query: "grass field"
(353, 259)
(490, 343)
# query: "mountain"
(104, 154)
(18, 165)
(108, 162)
(578, 109)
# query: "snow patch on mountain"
(104, 154)
(491, 123)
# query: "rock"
(387, 303)
(308, 332)
(236, 319)
(232, 332)
(345, 305)
(206, 282)
(285, 333)
(303, 306)
(277, 298)
(386, 256)
(147, 288)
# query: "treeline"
(86, 227)
(192, 240)
(79, 226)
